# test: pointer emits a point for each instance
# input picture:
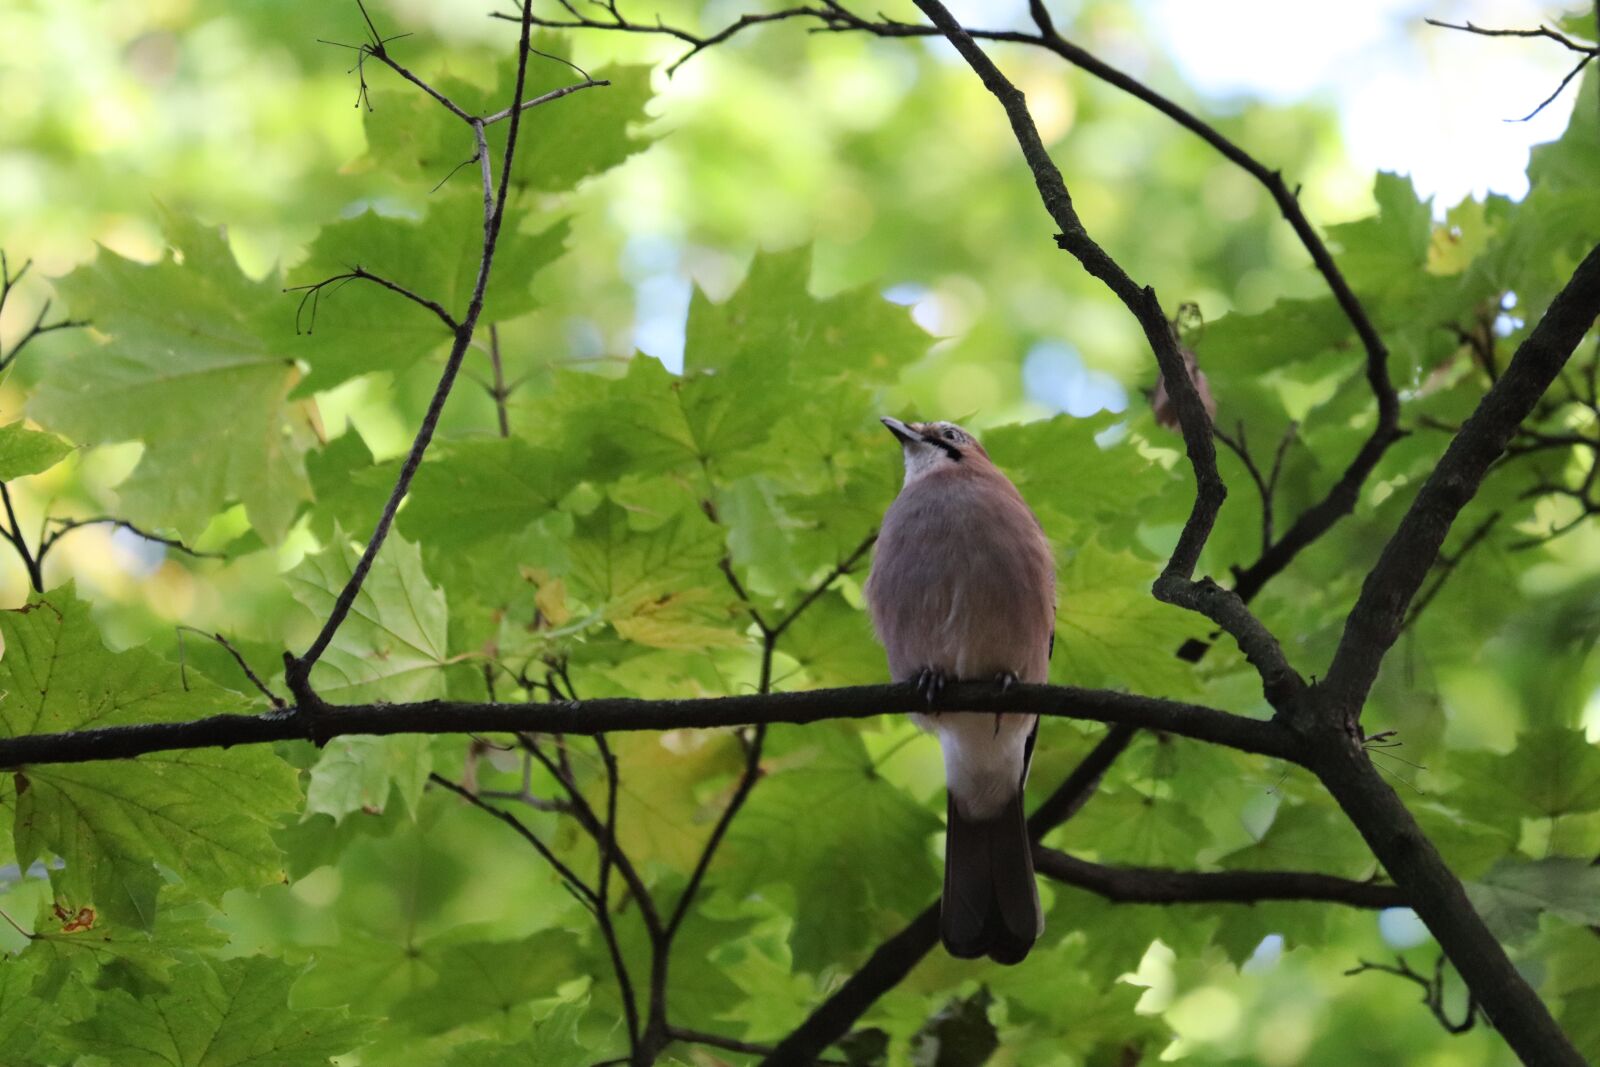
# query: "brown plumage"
(963, 588)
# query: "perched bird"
(963, 588)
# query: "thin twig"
(553, 94)
(261, 687)
(1540, 31)
(66, 526)
(313, 294)
(8, 281)
(567, 874)
(1432, 990)
(33, 563)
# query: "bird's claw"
(930, 683)
(1005, 680)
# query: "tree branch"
(893, 960)
(297, 670)
(609, 715)
(1375, 621)
(1176, 584)
(1341, 498)
(1154, 885)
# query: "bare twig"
(1587, 51)
(1432, 990)
(498, 392)
(1539, 31)
(553, 94)
(1576, 70)
(567, 874)
(8, 281)
(66, 526)
(313, 295)
(261, 687)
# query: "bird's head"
(932, 446)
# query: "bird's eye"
(951, 435)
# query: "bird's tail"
(991, 904)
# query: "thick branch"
(1375, 621)
(588, 717)
(1154, 885)
(1175, 586)
(1440, 900)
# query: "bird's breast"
(963, 582)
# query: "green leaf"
(357, 774)
(205, 813)
(1059, 466)
(226, 1013)
(663, 814)
(487, 980)
(772, 322)
(1392, 244)
(351, 490)
(21, 1012)
(1126, 826)
(834, 644)
(199, 367)
(1112, 632)
(1513, 895)
(24, 451)
(554, 1042)
(470, 491)
(851, 847)
(659, 587)
(1553, 771)
(1307, 837)
(392, 645)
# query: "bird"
(962, 588)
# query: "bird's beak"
(905, 433)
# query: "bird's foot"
(930, 683)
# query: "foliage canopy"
(595, 522)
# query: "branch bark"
(1374, 623)
(588, 717)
